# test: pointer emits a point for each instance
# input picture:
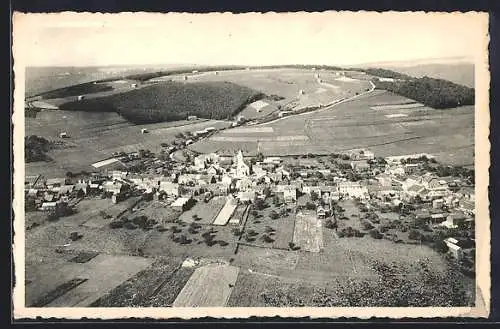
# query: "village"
(405, 199)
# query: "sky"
(329, 38)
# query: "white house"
(169, 188)
(453, 248)
(353, 189)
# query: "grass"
(172, 101)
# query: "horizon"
(328, 38)
(409, 62)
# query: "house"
(118, 174)
(353, 189)
(453, 248)
(308, 189)
(169, 188)
(467, 193)
(114, 187)
(411, 168)
(360, 165)
(55, 182)
(395, 170)
(273, 160)
(181, 204)
(384, 180)
(63, 135)
(187, 179)
(454, 219)
(437, 203)
(52, 206)
(144, 131)
(320, 212)
(246, 196)
(290, 194)
(244, 184)
(192, 117)
(437, 218)
(361, 154)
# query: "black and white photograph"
(230, 165)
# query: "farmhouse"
(63, 135)
(114, 187)
(192, 117)
(290, 194)
(246, 196)
(144, 131)
(454, 219)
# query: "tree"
(259, 204)
(30, 204)
(414, 235)
(266, 238)
(314, 196)
(259, 157)
(441, 246)
(310, 206)
(274, 215)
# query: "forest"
(434, 93)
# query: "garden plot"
(205, 212)
(308, 233)
(226, 212)
(266, 261)
(208, 286)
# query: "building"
(467, 206)
(144, 131)
(192, 117)
(63, 135)
(114, 187)
(361, 154)
(290, 194)
(81, 97)
(360, 165)
(453, 248)
(353, 189)
(411, 168)
(241, 169)
(454, 219)
(181, 204)
(55, 182)
(170, 188)
(246, 196)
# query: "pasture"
(208, 286)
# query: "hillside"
(460, 73)
(172, 101)
(435, 93)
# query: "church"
(241, 169)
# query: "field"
(286, 83)
(446, 134)
(208, 286)
(102, 274)
(147, 286)
(206, 211)
(308, 233)
(95, 136)
(89, 212)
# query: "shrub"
(74, 236)
(130, 226)
(175, 229)
(116, 224)
(374, 233)
(222, 243)
(266, 238)
(415, 235)
(274, 215)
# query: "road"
(327, 108)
